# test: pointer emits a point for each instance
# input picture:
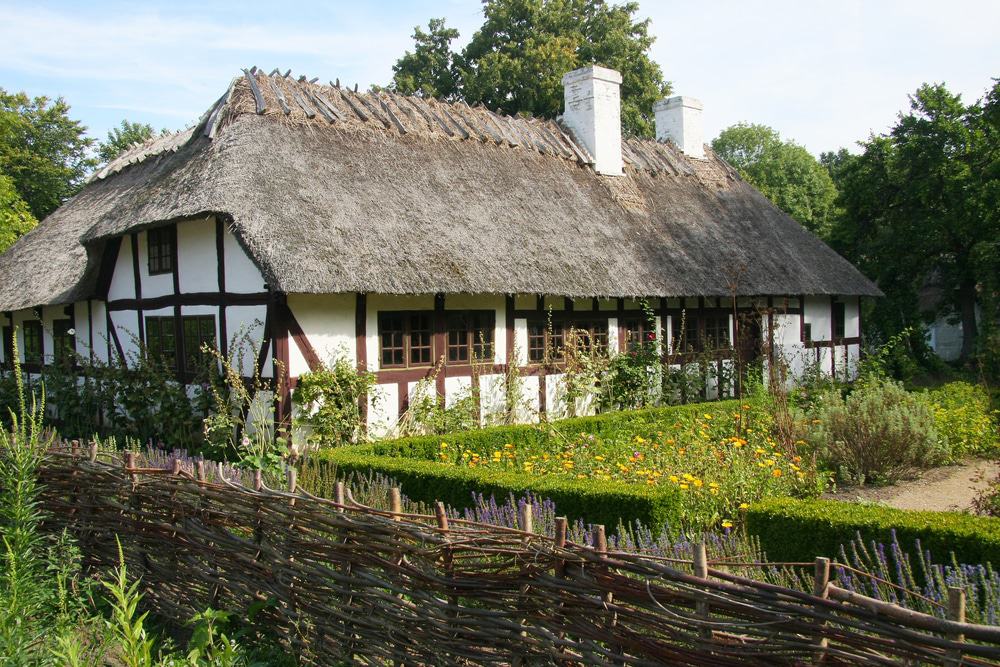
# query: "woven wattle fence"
(355, 584)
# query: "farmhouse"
(419, 238)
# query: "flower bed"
(706, 462)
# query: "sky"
(824, 73)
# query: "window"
(470, 336)
(684, 331)
(405, 339)
(638, 332)
(8, 346)
(839, 316)
(545, 341)
(198, 330)
(161, 340)
(807, 332)
(63, 340)
(716, 331)
(33, 350)
(162, 343)
(590, 336)
(160, 247)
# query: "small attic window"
(161, 248)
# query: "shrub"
(604, 502)
(799, 530)
(877, 434)
(964, 419)
(328, 401)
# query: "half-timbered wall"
(215, 276)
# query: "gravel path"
(950, 488)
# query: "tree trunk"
(967, 301)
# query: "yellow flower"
(713, 485)
(707, 416)
(727, 524)
(744, 506)
(698, 483)
(685, 486)
(508, 446)
(674, 479)
(598, 458)
(758, 451)
(444, 445)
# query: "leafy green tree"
(123, 137)
(920, 208)
(784, 171)
(515, 61)
(15, 218)
(429, 70)
(42, 150)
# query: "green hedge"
(799, 530)
(412, 462)
(594, 501)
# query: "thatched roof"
(336, 191)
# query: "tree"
(42, 150)
(430, 69)
(123, 137)
(515, 61)
(785, 172)
(15, 218)
(920, 206)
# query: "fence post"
(956, 612)
(701, 606)
(93, 451)
(447, 563)
(396, 503)
(525, 520)
(338, 495)
(821, 589)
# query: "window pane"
(536, 341)
(420, 338)
(391, 339)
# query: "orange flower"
(776, 472)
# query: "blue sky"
(824, 73)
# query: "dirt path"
(949, 488)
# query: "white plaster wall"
(613, 335)
(246, 329)
(818, 313)
(852, 318)
(100, 323)
(521, 341)
(328, 321)
(123, 278)
(528, 407)
(383, 409)
(555, 396)
(126, 325)
(197, 267)
(242, 275)
(456, 388)
(525, 301)
(492, 398)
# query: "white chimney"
(678, 119)
(594, 113)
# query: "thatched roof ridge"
(331, 190)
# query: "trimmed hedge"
(412, 462)
(799, 530)
(605, 502)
